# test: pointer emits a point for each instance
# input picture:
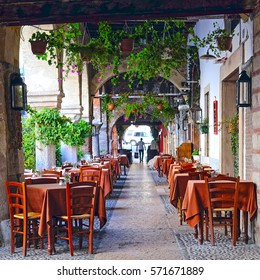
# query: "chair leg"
(212, 239)
(206, 226)
(70, 237)
(24, 239)
(12, 236)
(80, 235)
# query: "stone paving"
(143, 225)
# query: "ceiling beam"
(13, 12)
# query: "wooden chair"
(22, 222)
(187, 170)
(88, 173)
(80, 204)
(223, 208)
(51, 173)
(198, 175)
(42, 180)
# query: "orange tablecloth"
(50, 200)
(173, 169)
(160, 165)
(177, 187)
(166, 165)
(196, 200)
(123, 159)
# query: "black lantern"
(185, 124)
(18, 93)
(244, 98)
(197, 114)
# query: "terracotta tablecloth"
(177, 187)
(196, 200)
(50, 200)
(166, 165)
(173, 169)
(123, 159)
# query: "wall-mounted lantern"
(185, 124)
(18, 93)
(244, 92)
(196, 114)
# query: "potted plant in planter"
(223, 38)
(217, 40)
(39, 41)
(196, 155)
(204, 126)
(63, 49)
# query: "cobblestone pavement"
(143, 225)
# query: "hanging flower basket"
(204, 129)
(111, 106)
(224, 43)
(127, 45)
(38, 47)
(85, 56)
(160, 106)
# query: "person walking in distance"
(141, 148)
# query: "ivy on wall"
(50, 128)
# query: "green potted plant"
(63, 42)
(196, 155)
(204, 126)
(39, 41)
(217, 40)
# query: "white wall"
(209, 80)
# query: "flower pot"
(160, 106)
(38, 47)
(224, 43)
(85, 56)
(127, 45)
(196, 157)
(204, 129)
(110, 106)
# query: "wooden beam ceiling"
(24, 12)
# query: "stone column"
(95, 142)
(69, 153)
(45, 156)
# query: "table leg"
(201, 222)
(245, 221)
(51, 248)
(196, 234)
(179, 207)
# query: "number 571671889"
(177, 270)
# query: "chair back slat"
(223, 197)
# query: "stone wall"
(253, 135)
(11, 157)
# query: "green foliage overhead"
(147, 105)
(160, 47)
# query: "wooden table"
(50, 201)
(196, 201)
(177, 185)
(173, 169)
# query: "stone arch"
(95, 84)
(176, 78)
